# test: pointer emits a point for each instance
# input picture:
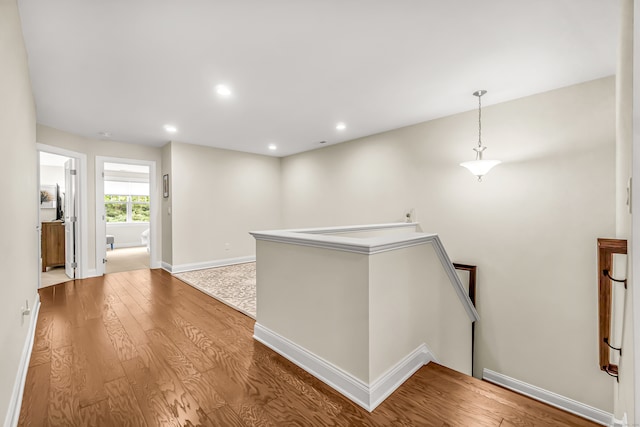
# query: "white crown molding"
(181, 268)
(13, 412)
(548, 397)
(368, 396)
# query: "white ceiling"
(297, 67)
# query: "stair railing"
(606, 249)
(472, 269)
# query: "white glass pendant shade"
(480, 167)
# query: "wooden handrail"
(606, 249)
(472, 269)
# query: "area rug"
(234, 285)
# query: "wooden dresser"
(52, 244)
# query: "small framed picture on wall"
(48, 196)
(165, 185)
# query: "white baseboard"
(166, 266)
(13, 413)
(90, 273)
(181, 268)
(358, 391)
(620, 423)
(549, 397)
(389, 382)
(127, 245)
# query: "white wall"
(411, 302)
(51, 175)
(632, 395)
(217, 197)
(530, 227)
(327, 309)
(127, 235)
(18, 220)
(93, 148)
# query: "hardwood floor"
(142, 348)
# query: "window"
(126, 202)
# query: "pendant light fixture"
(480, 167)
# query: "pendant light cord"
(480, 121)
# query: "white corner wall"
(217, 197)
(362, 314)
(339, 335)
(411, 303)
(18, 220)
(530, 227)
(624, 305)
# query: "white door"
(70, 217)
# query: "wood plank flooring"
(142, 348)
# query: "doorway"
(124, 207)
(61, 199)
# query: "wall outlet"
(410, 215)
(629, 193)
(25, 310)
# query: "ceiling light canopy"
(273, 147)
(480, 167)
(170, 128)
(223, 90)
(341, 126)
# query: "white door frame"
(71, 213)
(101, 247)
(635, 216)
(83, 228)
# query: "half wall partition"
(362, 307)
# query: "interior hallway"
(143, 348)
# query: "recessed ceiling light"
(341, 126)
(170, 128)
(223, 90)
(105, 134)
(273, 147)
